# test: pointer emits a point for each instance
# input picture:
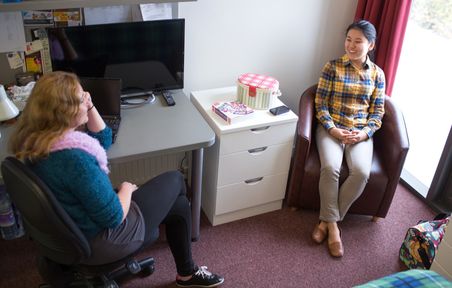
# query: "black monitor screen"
(147, 56)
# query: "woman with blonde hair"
(73, 163)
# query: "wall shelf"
(64, 4)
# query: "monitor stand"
(138, 98)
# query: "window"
(423, 88)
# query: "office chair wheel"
(147, 271)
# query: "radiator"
(141, 170)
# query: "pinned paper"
(107, 14)
(34, 62)
(38, 17)
(32, 47)
(156, 11)
(67, 17)
(41, 34)
(12, 33)
(14, 60)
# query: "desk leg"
(196, 182)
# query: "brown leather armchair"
(390, 149)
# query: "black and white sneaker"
(202, 278)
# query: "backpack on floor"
(421, 242)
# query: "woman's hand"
(340, 134)
(127, 187)
(125, 196)
(95, 121)
(356, 137)
(348, 137)
(88, 100)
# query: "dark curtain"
(390, 18)
(440, 192)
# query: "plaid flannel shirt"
(349, 98)
(409, 279)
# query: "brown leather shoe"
(336, 248)
(319, 235)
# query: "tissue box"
(257, 91)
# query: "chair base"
(57, 275)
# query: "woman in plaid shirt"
(349, 107)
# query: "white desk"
(156, 129)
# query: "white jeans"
(335, 201)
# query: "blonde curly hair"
(51, 110)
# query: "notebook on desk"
(106, 96)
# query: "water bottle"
(10, 221)
(7, 219)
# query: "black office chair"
(62, 247)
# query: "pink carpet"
(269, 250)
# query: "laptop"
(106, 96)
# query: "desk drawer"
(243, 195)
(261, 161)
(257, 137)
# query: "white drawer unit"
(246, 170)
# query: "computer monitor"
(147, 56)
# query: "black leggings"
(163, 200)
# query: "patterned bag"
(421, 242)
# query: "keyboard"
(113, 123)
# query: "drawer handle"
(254, 180)
(257, 150)
(260, 129)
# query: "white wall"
(442, 263)
(288, 39)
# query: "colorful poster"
(33, 62)
(38, 17)
(67, 17)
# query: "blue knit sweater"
(83, 189)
